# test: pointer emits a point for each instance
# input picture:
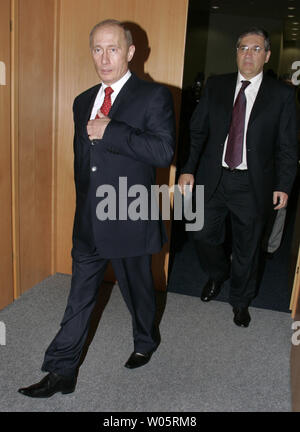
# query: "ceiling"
(274, 9)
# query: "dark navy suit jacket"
(139, 138)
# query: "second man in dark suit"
(244, 152)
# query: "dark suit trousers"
(136, 284)
(233, 196)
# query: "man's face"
(111, 53)
(251, 63)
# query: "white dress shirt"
(250, 94)
(101, 93)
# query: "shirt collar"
(118, 84)
(255, 81)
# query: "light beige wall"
(165, 24)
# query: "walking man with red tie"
(244, 152)
(124, 127)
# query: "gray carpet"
(204, 362)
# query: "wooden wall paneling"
(164, 23)
(35, 121)
(295, 297)
(6, 266)
(54, 131)
(15, 143)
(295, 364)
(294, 266)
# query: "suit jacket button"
(94, 168)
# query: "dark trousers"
(136, 284)
(233, 196)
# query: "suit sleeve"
(199, 131)
(155, 144)
(75, 146)
(286, 153)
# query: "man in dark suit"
(243, 150)
(124, 129)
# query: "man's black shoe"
(137, 360)
(241, 316)
(211, 290)
(50, 384)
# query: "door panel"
(6, 261)
(162, 25)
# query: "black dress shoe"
(211, 290)
(241, 317)
(50, 384)
(137, 360)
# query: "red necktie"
(234, 150)
(106, 103)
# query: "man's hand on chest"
(96, 127)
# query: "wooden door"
(34, 54)
(159, 27)
(295, 265)
(6, 259)
(295, 299)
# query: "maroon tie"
(234, 150)
(106, 103)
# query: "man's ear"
(268, 56)
(131, 51)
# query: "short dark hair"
(256, 31)
(112, 22)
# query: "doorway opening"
(212, 31)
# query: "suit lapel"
(229, 91)
(125, 94)
(86, 107)
(227, 95)
(262, 100)
(90, 104)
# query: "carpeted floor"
(274, 291)
(204, 362)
